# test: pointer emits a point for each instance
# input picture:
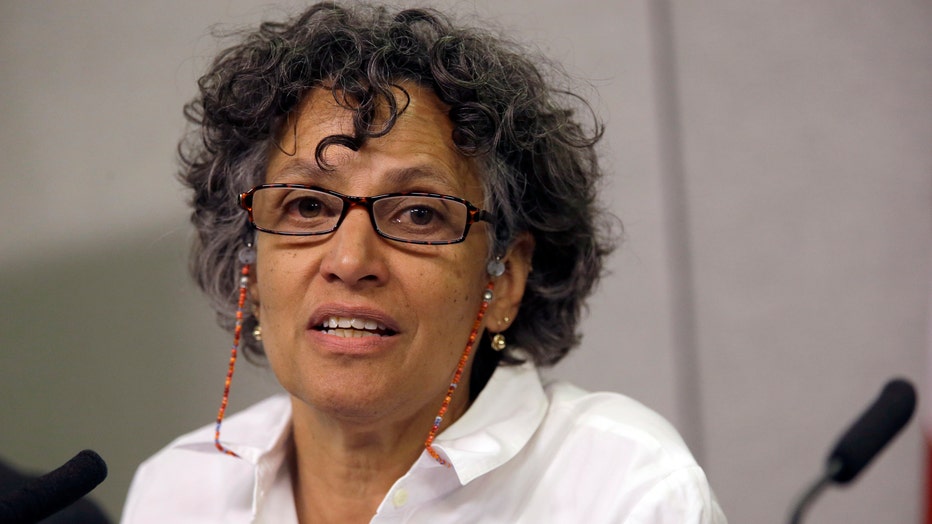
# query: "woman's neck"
(342, 471)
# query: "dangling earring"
(246, 256)
(498, 342)
(257, 333)
(498, 339)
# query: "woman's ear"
(509, 287)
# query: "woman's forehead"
(321, 111)
(418, 148)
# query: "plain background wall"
(771, 162)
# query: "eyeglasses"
(415, 218)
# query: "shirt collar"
(265, 430)
(498, 424)
(261, 439)
(493, 430)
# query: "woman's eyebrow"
(296, 170)
(412, 175)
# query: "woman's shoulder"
(602, 457)
(189, 479)
(614, 424)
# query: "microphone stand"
(814, 491)
(869, 434)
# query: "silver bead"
(247, 255)
(495, 268)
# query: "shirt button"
(400, 497)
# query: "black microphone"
(870, 433)
(54, 491)
(864, 440)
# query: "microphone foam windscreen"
(873, 430)
(54, 491)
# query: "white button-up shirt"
(522, 453)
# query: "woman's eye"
(416, 217)
(307, 207)
(421, 216)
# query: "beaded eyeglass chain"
(246, 257)
(428, 444)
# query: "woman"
(399, 215)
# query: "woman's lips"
(347, 327)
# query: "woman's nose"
(353, 252)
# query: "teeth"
(352, 327)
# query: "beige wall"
(770, 160)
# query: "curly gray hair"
(541, 169)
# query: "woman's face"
(423, 299)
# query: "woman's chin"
(349, 401)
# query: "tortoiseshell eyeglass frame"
(474, 214)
